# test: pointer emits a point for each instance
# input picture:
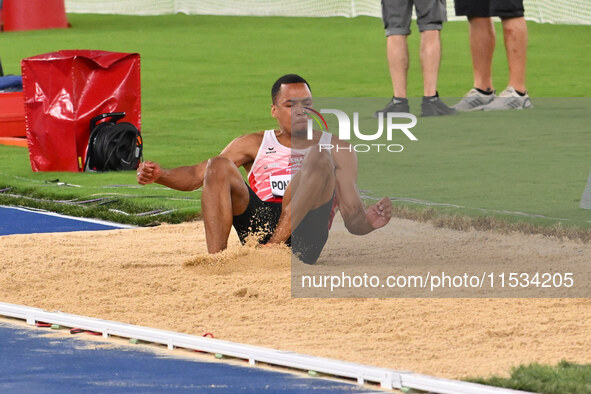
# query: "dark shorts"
(487, 8)
(397, 15)
(261, 218)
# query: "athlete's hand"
(148, 172)
(379, 214)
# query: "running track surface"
(31, 362)
(24, 221)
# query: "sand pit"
(161, 277)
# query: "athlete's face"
(289, 106)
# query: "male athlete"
(292, 183)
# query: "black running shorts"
(261, 218)
(486, 8)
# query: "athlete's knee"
(324, 167)
(217, 165)
(319, 163)
(218, 169)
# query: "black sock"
(399, 98)
(521, 93)
(486, 92)
(431, 97)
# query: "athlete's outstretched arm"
(184, 178)
(187, 178)
(358, 220)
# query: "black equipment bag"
(113, 146)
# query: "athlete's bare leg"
(312, 187)
(224, 195)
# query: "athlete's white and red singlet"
(274, 166)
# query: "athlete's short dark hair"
(286, 79)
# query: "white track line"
(485, 210)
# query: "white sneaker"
(474, 100)
(509, 99)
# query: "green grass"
(562, 378)
(206, 80)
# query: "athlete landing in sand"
(292, 184)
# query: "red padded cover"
(64, 90)
(12, 115)
(34, 14)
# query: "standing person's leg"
(430, 17)
(396, 15)
(482, 48)
(224, 196)
(430, 60)
(397, 50)
(515, 34)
